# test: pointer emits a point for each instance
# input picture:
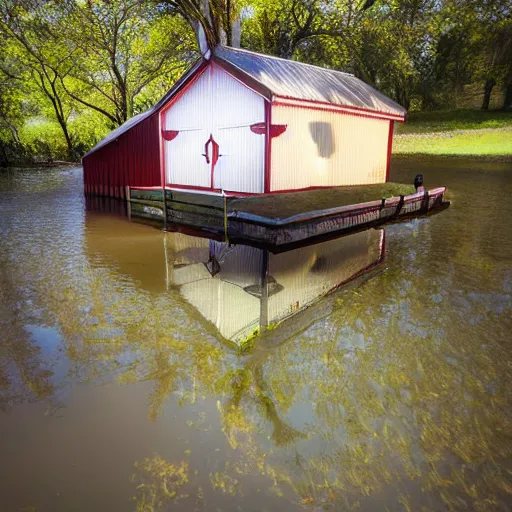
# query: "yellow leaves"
(224, 482)
(159, 482)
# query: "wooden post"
(128, 202)
(264, 291)
(167, 279)
(165, 207)
(226, 238)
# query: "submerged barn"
(243, 122)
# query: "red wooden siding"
(132, 159)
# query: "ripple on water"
(395, 393)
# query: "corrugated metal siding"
(322, 148)
(132, 159)
(216, 104)
(234, 312)
(235, 109)
(310, 272)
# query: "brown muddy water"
(120, 391)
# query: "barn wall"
(325, 148)
(218, 105)
(133, 159)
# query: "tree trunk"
(402, 96)
(507, 99)
(69, 143)
(236, 33)
(489, 86)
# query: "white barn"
(242, 122)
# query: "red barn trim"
(186, 86)
(243, 78)
(390, 149)
(329, 107)
(268, 146)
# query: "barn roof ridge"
(283, 59)
(292, 79)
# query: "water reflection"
(243, 289)
(391, 394)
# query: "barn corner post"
(161, 120)
(390, 149)
(268, 141)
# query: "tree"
(121, 48)
(213, 21)
(30, 29)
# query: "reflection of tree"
(24, 376)
(392, 398)
(158, 482)
(405, 384)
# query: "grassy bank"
(456, 133)
(273, 205)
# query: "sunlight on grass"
(472, 142)
(450, 120)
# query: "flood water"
(121, 388)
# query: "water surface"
(118, 392)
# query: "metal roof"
(297, 80)
(280, 77)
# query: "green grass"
(484, 143)
(280, 206)
(455, 133)
(450, 120)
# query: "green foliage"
(90, 66)
(43, 140)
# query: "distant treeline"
(72, 70)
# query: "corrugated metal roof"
(297, 80)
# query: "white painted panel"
(184, 162)
(233, 311)
(239, 264)
(241, 166)
(233, 104)
(193, 109)
(236, 108)
(185, 249)
(321, 148)
(216, 104)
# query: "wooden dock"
(277, 222)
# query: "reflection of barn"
(237, 288)
(242, 288)
(245, 122)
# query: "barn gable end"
(216, 110)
